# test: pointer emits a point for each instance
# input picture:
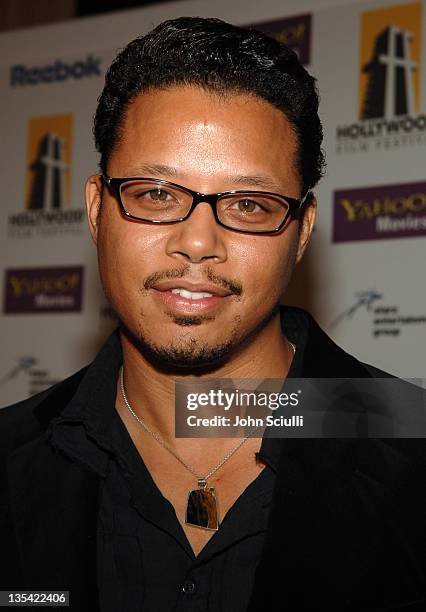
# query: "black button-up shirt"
(145, 561)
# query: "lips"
(193, 299)
(170, 284)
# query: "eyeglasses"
(158, 201)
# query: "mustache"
(220, 281)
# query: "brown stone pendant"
(201, 510)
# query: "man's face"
(204, 143)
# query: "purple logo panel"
(38, 290)
(293, 31)
(377, 213)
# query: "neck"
(151, 391)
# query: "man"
(96, 489)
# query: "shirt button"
(189, 587)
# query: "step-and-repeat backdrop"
(363, 277)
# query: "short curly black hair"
(221, 58)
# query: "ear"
(93, 204)
(307, 223)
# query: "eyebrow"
(244, 180)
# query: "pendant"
(201, 510)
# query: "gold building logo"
(49, 150)
(390, 54)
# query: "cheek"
(266, 264)
(126, 246)
(125, 254)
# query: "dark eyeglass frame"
(115, 185)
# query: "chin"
(188, 352)
(186, 358)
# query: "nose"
(197, 238)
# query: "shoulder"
(376, 372)
(25, 420)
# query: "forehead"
(204, 133)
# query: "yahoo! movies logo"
(292, 31)
(389, 82)
(374, 213)
(58, 71)
(38, 290)
(48, 181)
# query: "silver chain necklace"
(201, 510)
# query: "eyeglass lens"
(246, 211)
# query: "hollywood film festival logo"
(389, 114)
(48, 210)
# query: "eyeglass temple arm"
(306, 197)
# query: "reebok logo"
(21, 75)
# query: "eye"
(157, 194)
(247, 206)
